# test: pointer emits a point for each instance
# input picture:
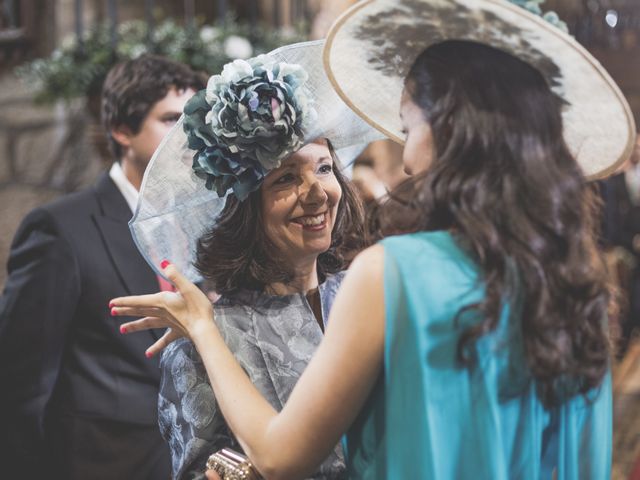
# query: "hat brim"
(371, 47)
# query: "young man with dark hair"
(79, 399)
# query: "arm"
(349, 360)
(36, 308)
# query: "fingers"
(153, 322)
(151, 300)
(138, 312)
(181, 282)
(145, 323)
(169, 336)
(212, 475)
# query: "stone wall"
(44, 152)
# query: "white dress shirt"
(127, 189)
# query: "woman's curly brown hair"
(505, 183)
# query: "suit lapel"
(112, 222)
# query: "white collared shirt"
(632, 179)
(127, 189)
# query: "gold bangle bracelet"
(231, 465)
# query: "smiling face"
(418, 148)
(300, 202)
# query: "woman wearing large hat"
(247, 192)
(476, 346)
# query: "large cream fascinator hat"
(251, 116)
(370, 48)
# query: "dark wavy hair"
(236, 254)
(505, 183)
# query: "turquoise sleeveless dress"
(429, 419)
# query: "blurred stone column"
(327, 12)
(276, 12)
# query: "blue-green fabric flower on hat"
(250, 118)
(535, 7)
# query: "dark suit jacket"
(73, 387)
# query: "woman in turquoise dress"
(476, 345)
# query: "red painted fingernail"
(148, 354)
(165, 264)
(123, 329)
(110, 304)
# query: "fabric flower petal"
(249, 119)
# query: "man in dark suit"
(79, 400)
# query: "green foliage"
(78, 70)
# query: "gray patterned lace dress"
(273, 338)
